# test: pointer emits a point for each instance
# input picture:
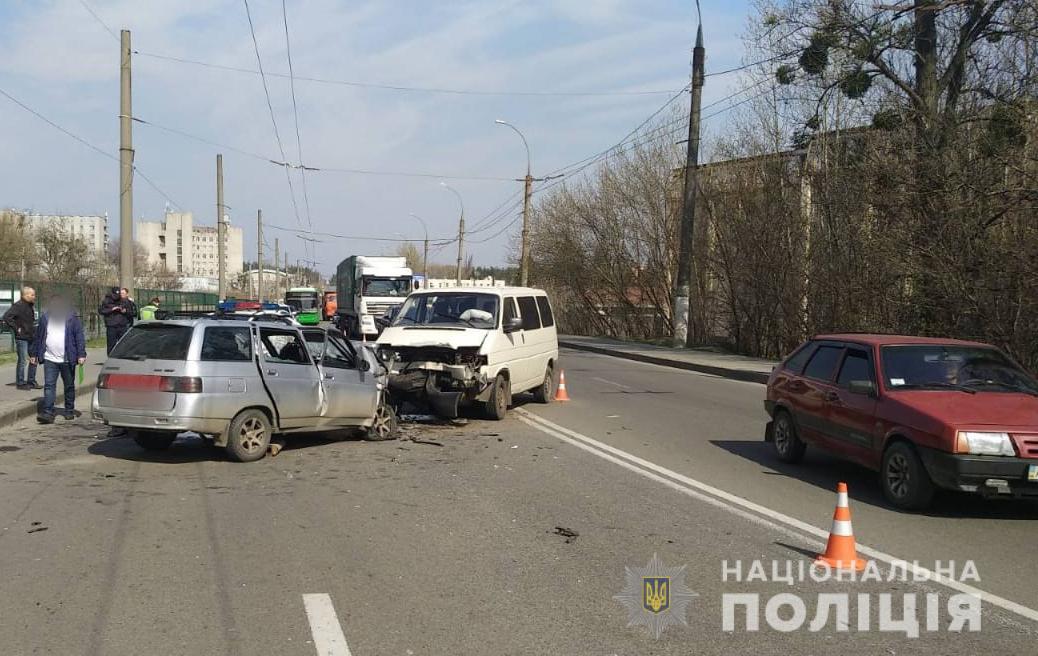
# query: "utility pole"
(277, 274)
(288, 276)
(524, 253)
(683, 336)
(461, 230)
(125, 165)
(259, 255)
(221, 233)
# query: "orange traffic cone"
(840, 551)
(560, 393)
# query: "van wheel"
(249, 436)
(153, 440)
(497, 405)
(545, 392)
(788, 445)
(905, 481)
(384, 425)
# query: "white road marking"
(324, 625)
(609, 382)
(756, 513)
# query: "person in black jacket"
(117, 311)
(21, 318)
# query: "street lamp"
(461, 229)
(425, 254)
(524, 253)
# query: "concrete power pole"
(125, 165)
(683, 336)
(277, 273)
(221, 233)
(524, 255)
(259, 255)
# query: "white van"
(466, 345)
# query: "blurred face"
(29, 295)
(123, 294)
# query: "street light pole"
(524, 250)
(683, 334)
(425, 253)
(461, 230)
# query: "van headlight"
(984, 444)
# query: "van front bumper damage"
(438, 378)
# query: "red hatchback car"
(926, 413)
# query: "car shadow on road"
(825, 471)
(191, 448)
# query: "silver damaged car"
(238, 383)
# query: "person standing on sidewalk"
(21, 318)
(115, 310)
(60, 345)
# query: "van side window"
(226, 344)
(510, 311)
(283, 347)
(528, 311)
(547, 319)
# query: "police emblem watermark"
(656, 596)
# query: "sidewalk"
(16, 404)
(705, 361)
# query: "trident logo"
(656, 593)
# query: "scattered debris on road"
(567, 533)
(276, 445)
(36, 527)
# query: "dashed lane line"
(329, 639)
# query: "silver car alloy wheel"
(383, 423)
(252, 434)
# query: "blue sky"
(59, 60)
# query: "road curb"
(723, 372)
(29, 408)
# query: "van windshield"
(154, 341)
(466, 309)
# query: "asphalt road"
(447, 542)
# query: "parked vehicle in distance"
(454, 346)
(925, 413)
(306, 305)
(329, 305)
(238, 382)
(367, 286)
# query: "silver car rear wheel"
(249, 436)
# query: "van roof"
(500, 291)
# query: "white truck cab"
(462, 345)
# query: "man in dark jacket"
(21, 319)
(117, 311)
(60, 346)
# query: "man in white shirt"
(60, 345)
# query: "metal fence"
(87, 300)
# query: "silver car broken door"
(351, 391)
(290, 375)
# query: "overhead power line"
(331, 235)
(398, 87)
(270, 107)
(295, 115)
(312, 169)
(89, 145)
(98, 19)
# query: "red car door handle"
(832, 397)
